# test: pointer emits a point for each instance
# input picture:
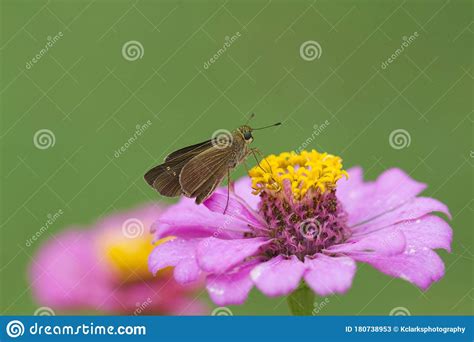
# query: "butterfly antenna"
(276, 124)
(250, 118)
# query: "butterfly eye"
(247, 135)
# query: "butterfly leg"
(246, 166)
(255, 151)
(229, 185)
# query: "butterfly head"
(246, 132)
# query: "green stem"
(301, 301)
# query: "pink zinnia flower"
(105, 268)
(310, 222)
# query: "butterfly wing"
(165, 177)
(202, 174)
(192, 151)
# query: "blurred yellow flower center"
(128, 257)
(304, 171)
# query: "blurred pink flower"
(302, 228)
(104, 268)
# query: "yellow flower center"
(128, 257)
(304, 171)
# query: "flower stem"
(301, 301)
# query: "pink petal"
(278, 276)
(236, 208)
(231, 288)
(420, 266)
(183, 306)
(328, 275)
(217, 256)
(427, 231)
(177, 253)
(411, 210)
(386, 242)
(243, 189)
(186, 271)
(63, 266)
(352, 190)
(391, 189)
(188, 220)
(166, 297)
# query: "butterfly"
(196, 171)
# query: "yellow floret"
(306, 170)
(127, 257)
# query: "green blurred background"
(91, 98)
